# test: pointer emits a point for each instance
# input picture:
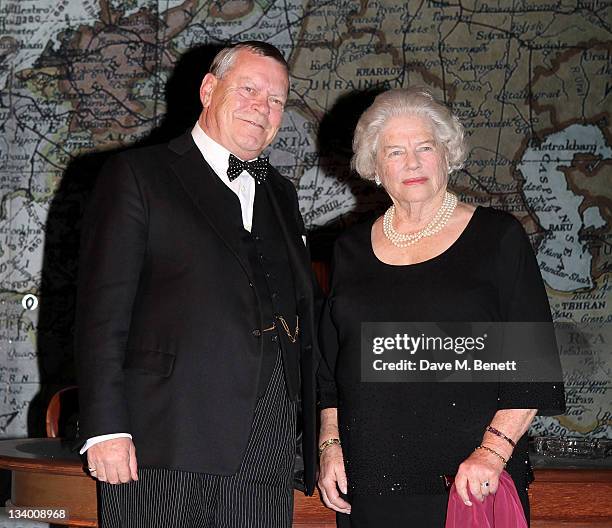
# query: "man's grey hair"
(224, 60)
(415, 101)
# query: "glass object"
(572, 447)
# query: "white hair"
(448, 131)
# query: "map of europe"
(530, 80)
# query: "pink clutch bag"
(502, 510)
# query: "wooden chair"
(62, 412)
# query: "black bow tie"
(257, 168)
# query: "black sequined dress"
(398, 438)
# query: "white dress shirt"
(217, 157)
(243, 186)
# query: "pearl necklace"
(441, 218)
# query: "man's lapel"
(296, 250)
(203, 187)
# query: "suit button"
(256, 332)
(274, 338)
(251, 285)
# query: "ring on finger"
(485, 484)
(92, 469)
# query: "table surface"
(53, 455)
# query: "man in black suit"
(195, 317)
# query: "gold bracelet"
(493, 453)
(327, 443)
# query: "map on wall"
(530, 80)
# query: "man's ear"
(209, 82)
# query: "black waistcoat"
(266, 251)
(273, 280)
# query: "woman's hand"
(331, 477)
(475, 472)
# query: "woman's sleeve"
(522, 298)
(328, 344)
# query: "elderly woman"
(385, 446)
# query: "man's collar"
(217, 156)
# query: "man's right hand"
(113, 461)
(331, 477)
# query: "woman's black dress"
(399, 438)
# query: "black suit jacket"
(167, 339)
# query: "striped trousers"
(259, 495)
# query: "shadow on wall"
(63, 232)
(334, 144)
